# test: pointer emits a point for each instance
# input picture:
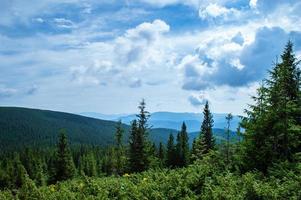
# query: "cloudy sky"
(106, 55)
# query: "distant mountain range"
(22, 127)
(171, 120)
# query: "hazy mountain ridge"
(171, 120)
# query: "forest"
(262, 162)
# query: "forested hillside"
(23, 127)
(263, 162)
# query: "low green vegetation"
(264, 163)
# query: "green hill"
(21, 127)
(32, 127)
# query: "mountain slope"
(21, 127)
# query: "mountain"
(32, 127)
(171, 120)
(20, 127)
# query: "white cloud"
(253, 3)
(214, 10)
(138, 52)
(7, 92)
(197, 100)
(64, 23)
(162, 3)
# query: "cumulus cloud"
(135, 53)
(214, 10)
(235, 65)
(197, 100)
(253, 3)
(135, 45)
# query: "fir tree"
(182, 147)
(121, 158)
(205, 141)
(137, 149)
(64, 165)
(206, 129)
(139, 145)
(170, 152)
(273, 125)
(229, 117)
(161, 154)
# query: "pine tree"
(139, 144)
(137, 149)
(19, 173)
(229, 117)
(182, 147)
(206, 130)
(121, 158)
(273, 125)
(205, 141)
(161, 155)
(64, 165)
(170, 152)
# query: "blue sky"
(105, 56)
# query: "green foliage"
(265, 165)
(22, 127)
(205, 179)
(120, 150)
(171, 152)
(139, 144)
(64, 165)
(273, 125)
(205, 142)
(182, 147)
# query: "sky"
(106, 55)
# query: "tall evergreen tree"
(273, 125)
(140, 141)
(137, 151)
(229, 117)
(170, 152)
(205, 141)
(64, 165)
(161, 155)
(206, 129)
(120, 152)
(182, 147)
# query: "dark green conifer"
(64, 165)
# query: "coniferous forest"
(264, 162)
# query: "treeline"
(51, 165)
(268, 150)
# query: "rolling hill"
(21, 127)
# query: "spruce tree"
(273, 125)
(229, 117)
(170, 152)
(161, 155)
(206, 130)
(137, 149)
(140, 147)
(120, 152)
(205, 141)
(182, 147)
(64, 165)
